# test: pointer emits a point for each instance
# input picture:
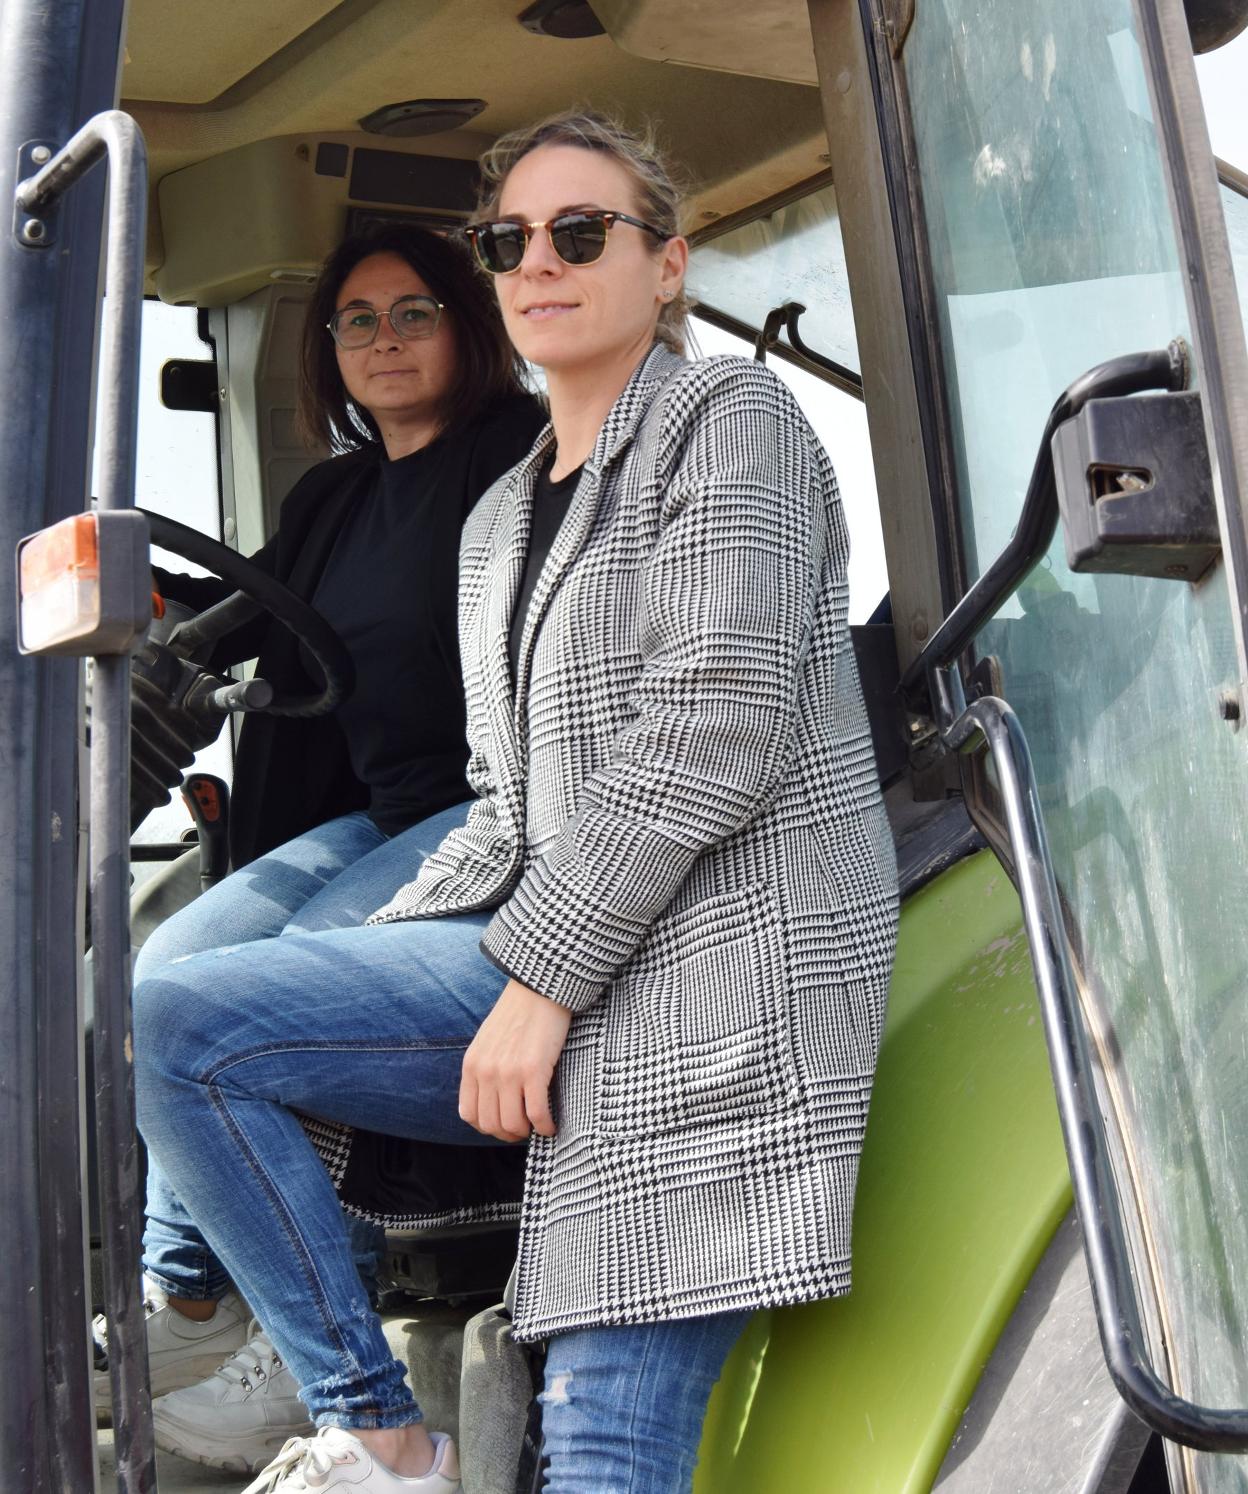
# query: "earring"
(667, 295)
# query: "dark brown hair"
(486, 366)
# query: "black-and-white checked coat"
(680, 824)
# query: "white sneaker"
(179, 1352)
(336, 1460)
(240, 1417)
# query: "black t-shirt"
(551, 501)
(388, 580)
(291, 773)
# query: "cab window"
(176, 474)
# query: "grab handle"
(113, 136)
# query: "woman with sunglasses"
(677, 865)
(407, 372)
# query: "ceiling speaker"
(421, 116)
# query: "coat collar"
(618, 429)
(625, 415)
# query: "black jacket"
(292, 774)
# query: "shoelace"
(303, 1463)
(253, 1364)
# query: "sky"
(1224, 90)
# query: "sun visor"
(268, 213)
(760, 38)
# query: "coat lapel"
(572, 535)
(508, 547)
(617, 432)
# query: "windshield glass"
(792, 254)
(1049, 230)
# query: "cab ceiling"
(203, 79)
(191, 53)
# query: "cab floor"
(175, 1475)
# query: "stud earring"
(667, 295)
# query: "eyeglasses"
(412, 317)
(577, 238)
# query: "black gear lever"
(208, 799)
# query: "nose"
(387, 338)
(539, 255)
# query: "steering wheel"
(256, 592)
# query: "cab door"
(1058, 205)
(58, 67)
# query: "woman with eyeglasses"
(658, 948)
(406, 371)
(407, 374)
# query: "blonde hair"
(659, 194)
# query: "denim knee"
(169, 1032)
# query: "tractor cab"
(992, 253)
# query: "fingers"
(488, 1122)
(492, 1104)
(513, 1122)
(501, 1108)
(468, 1107)
(505, 1082)
(537, 1106)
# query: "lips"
(542, 311)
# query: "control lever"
(208, 799)
(241, 695)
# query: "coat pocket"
(696, 1030)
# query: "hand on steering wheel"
(178, 704)
(257, 591)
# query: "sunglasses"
(412, 317)
(577, 238)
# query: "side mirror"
(1213, 23)
(1135, 489)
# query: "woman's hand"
(504, 1090)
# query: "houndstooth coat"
(680, 825)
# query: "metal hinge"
(898, 19)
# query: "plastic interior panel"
(762, 38)
(963, 1184)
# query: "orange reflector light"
(70, 548)
(84, 585)
(60, 582)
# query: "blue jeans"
(332, 877)
(622, 1408)
(368, 1026)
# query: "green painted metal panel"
(963, 1183)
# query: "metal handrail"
(114, 136)
(839, 375)
(1123, 1340)
(1133, 373)
(786, 316)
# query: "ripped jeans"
(622, 1408)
